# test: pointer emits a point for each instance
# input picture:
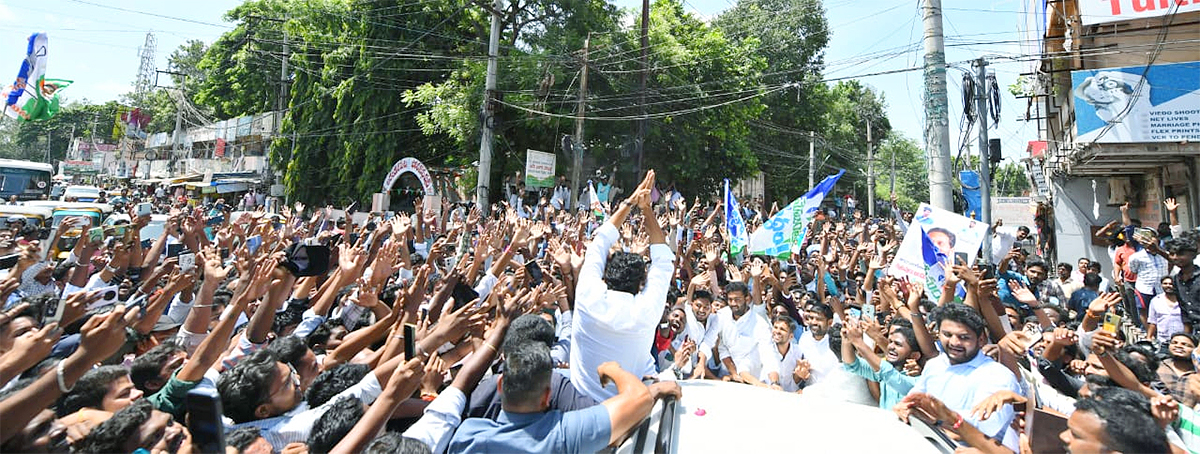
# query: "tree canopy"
(364, 83)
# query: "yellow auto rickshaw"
(95, 213)
(34, 217)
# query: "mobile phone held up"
(463, 295)
(410, 341)
(534, 273)
(204, 420)
(1112, 322)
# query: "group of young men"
(549, 330)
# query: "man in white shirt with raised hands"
(618, 301)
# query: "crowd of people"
(542, 329)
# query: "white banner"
(1101, 11)
(539, 169)
(1014, 210)
(954, 235)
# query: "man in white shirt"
(963, 376)
(780, 357)
(814, 343)
(703, 328)
(743, 331)
(618, 302)
(561, 200)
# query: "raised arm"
(632, 403)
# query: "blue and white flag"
(788, 228)
(734, 222)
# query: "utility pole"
(281, 104)
(937, 122)
(893, 189)
(639, 144)
(870, 171)
(985, 164)
(812, 158)
(577, 169)
(489, 113)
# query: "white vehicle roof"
(746, 419)
(13, 163)
(83, 189)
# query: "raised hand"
(995, 402)
(1170, 204)
(1104, 302)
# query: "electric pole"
(937, 122)
(812, 158)
(870, 172)
(893, 189)
(985, 164)
(489, 112)
(639, 144)
(282, 103)
(577, 169)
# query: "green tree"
(911, 177)
(76, 119)
(1010, 180)
(791, 35)
(842, 144)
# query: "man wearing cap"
(15, 223)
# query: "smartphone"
(173, 250)
(116, 231)
(53, 311)
(854, 313)
(9, 261)
(253, 243)
(137, 303)
(868, 311)
(145, 209)
(187, 262)
(204, 420)
(95, 234)
(1112, 322)
(961, 258)
(215, 220)
(989, 271)
(410, 341)
(463, 294)
(108, 297)
(534, 272)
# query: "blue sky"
(97, 47)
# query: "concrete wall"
(1075, 214)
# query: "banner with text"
(956, 238)
(539, 169)
(1160, 103)
(1101, 11)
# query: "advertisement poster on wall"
(1159, 103)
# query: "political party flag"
(935, 262)
(597, 207)
(789, 226)
(32, 96)
(734, 222)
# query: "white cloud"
(6, 13)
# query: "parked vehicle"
(765, 420)
(81, 193)
(27, 180)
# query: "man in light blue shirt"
(525, 425)
(888, 371)
(962, 376)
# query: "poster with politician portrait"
(950, 235)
